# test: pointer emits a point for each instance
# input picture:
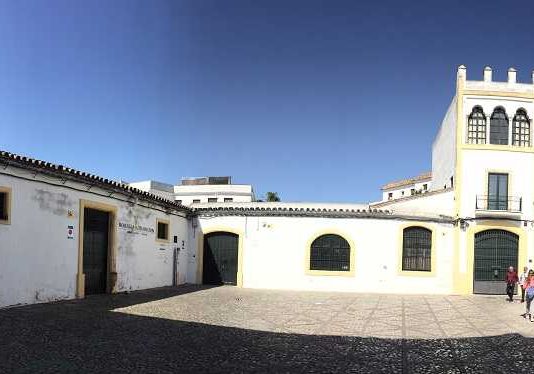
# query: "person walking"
(528, 285)
(511, 280)
(522, 278)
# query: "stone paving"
(227, 329)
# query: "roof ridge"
(78, 175)
(407, 181)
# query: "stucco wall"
(274, 252)
(39, 262)
(476, 164)
(406, 191)
(444, 150)
(432, 203)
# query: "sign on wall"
(131, 228)
(70, 232)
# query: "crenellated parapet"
(488, 84)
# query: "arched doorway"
(495, 250)
(220, 257)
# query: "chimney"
(487, 74)
(512, 75)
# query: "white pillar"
(488, 129)
(488, 74)
(512, 75)
(461, 76)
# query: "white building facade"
(200, 190)
(456, 235)
(65, 234)
(407, 187)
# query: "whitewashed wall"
(157, 188)
(38, 262)
(275, 249)
(432, 203)
(444, 150)
(237, 192)
(476, 164)
(406, 191)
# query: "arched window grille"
(416, 249)
(331, 253)
(521, 129)
(499, 126)
(476, 127)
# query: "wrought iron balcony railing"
(512, 204)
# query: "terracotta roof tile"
(24, 162)
(406, 182)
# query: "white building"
(459, 237)
(65, 234)
(61, 229)
(407, 187)
(200, 190)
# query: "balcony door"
(497, 191)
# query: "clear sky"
(317, 100)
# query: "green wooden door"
(95, 250)
(495, 251)
(220, 258)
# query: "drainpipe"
(175, 252)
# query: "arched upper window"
(330, 252)
(499, 126)
(476, 127)
(521, 129)
(416, 249)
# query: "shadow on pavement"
(86, 336)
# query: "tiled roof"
(411, 197)
(265, 209)
(407, 182)
(7, 158)
(268, 210)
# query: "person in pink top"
(528, 285)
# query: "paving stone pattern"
(192, 329)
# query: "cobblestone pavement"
(227, 329)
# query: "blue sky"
(317, 100)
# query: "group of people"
(526, 282)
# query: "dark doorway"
(495, 251)
(220, 258)
(95, 250)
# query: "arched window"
(416, 249)
(499, 126)
(476, 127)
(521, 129)
(330, 252)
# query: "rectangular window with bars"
(417, 249)
(162, 230)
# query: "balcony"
(499, 205)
